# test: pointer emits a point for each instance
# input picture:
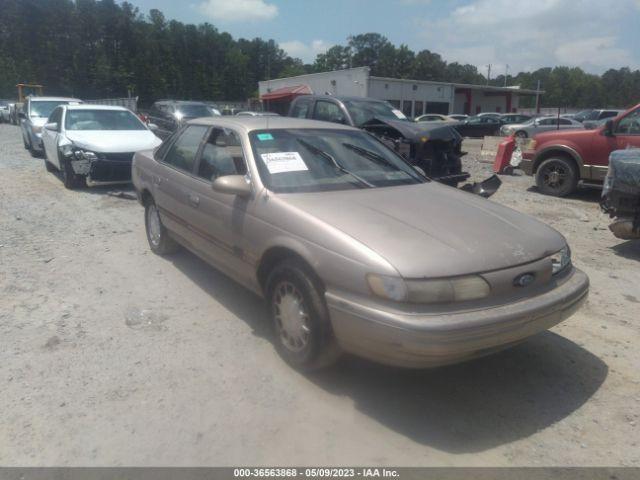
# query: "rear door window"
(301, 108)
(182, 154)
(328, 112)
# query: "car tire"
(302, 328)
(70, 179)
(521, 134)
(557, 177)
(27, 145)
(158, 237)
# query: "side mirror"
(53, 126)
(233, 185)
(608, 128)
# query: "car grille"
(117, 157)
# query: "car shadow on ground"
(462, 408)
(585, 194)
(629, 249)
(125, 191)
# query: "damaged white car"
(94, 144)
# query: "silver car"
(352, 248)
(36, 111)
(539, 125)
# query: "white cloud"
(526, 35)
(305, 51)
(238, 10)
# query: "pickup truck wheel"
(303, 335)
(70, 179)
(157, 235)
(557, 177)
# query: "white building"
(413, 97)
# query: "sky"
(511, 35)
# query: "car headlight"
(445, 290)
(391, 288)
(560, 260)
(84, 155)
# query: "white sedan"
(94, 144)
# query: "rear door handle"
(194, 201)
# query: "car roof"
(248, 124)
(85, 106)
(54, 99)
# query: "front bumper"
(420, 341)
(109, 168)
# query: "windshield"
(362, 111)
(102, 120)
(593, 115)
(43, 109)
(194, 111)
(314, 160)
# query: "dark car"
(479, 126)
(596, 118)
(435, 148)
(168, 115)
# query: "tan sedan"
(352, 248)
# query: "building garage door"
(437, 107)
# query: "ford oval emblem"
(524, 280)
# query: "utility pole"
(538, 98)
(506, 73)
(488, 73)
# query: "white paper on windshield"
(399, 114)
(282, 162)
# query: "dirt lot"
(111, 355)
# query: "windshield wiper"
(370, 155)
(334, 162)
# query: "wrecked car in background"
(433, 147)
(621, 193)
(94, 144)
(33, 116)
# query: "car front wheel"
(70, 179)
(521, 134)
(157, 235)
(557, 177)
(300, 317)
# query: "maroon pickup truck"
(560, 159)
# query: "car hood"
(114, 141)
(38, 121)
(578, 135)
(416, 131)
(430, 230)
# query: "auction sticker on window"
(282, 162)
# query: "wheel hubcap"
(153, 221)
(555, 176)
(291, 316)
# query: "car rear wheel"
(157, 235)
(557, 177)
(521, 134)
(303, 335)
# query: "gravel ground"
(114, 356)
